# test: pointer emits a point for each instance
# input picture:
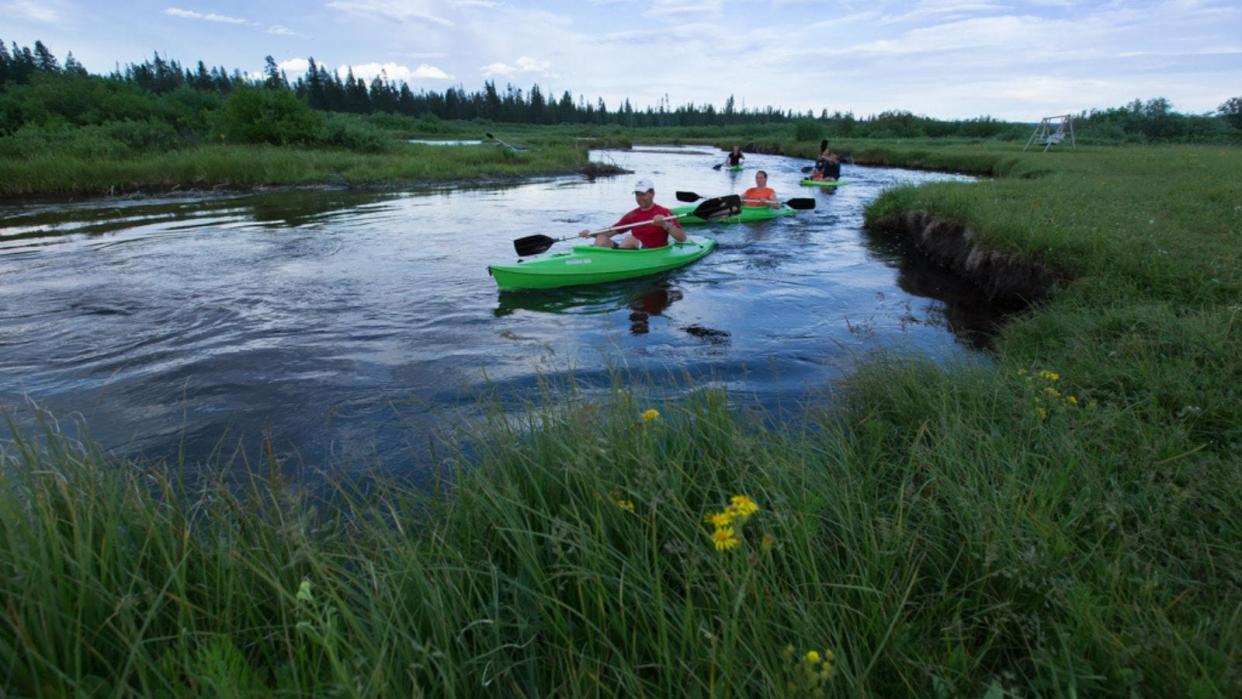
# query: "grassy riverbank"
(203, 167)
(1064, 522)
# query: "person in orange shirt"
(761, 194)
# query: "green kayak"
(748, 215)
(823, 183)
(587, 264)
(735, 168)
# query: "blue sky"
(944, 58)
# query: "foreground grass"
(574, 560)
(209, 166)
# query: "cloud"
(206, 17)
(395, 72)
(402, 11)
(524, 64)
(475, 3)
(281, 30)
(33, 11)
(672, 8)
(294, 66)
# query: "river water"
(350, 326)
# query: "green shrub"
(808, 130)
(350, 132)
(251, 115)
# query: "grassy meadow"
(1064, 522)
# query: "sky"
(942, 58)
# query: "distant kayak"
(747, 215)
(588, 264)
(823, 183)
(736, 168)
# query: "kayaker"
(735, 157)
(761, 194)
(654, 234)
(828, 167)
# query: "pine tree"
(274, 80)
(44, 60)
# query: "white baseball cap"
(643, 185)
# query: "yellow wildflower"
(812, 656)
(1052, 391)
(720, 519)
(1043, 414)
(627, 505)
(768, 542)
(1050, 375)
(649, 414)
(724, 539)
(743, 506)
(1072, 400)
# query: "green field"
(1064, 522)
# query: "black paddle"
(803, 204)
(712, 208)
(502, 143)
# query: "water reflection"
(644, 298)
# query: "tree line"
(327, 91)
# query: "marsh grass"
(209, 166)
(939, 536)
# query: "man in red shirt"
(654, 232)
(761, 194)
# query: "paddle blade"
(490, 137)
(823, 145)
(802, 204)
(717, 166)
(808, 168)
(532, 245)
(688, 196)
(719, 206)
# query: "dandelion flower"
(649, 414)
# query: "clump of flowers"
(623, 503)
(648, 415)
(808, 674)
(727, 523)
(1047, 396)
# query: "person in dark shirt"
(734, 158)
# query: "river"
(350, 326)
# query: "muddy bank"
(1010, 280)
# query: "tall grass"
(207, 166)
(939, 542)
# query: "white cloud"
(33, 11)
(294, 66)
(395, 72)
(524, 64)
(281, 30)
(475, 3)
(400, 11)
(207, 17)
(672, 8)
